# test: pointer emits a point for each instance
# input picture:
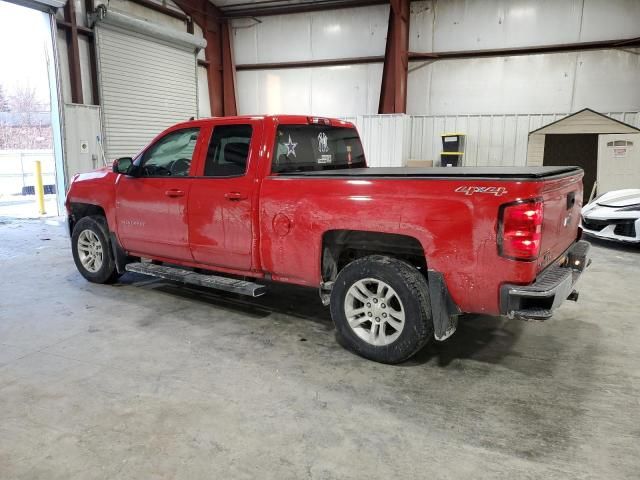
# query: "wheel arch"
(78, 210)
(340, 247)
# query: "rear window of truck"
(303, 148)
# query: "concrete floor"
(148, 380)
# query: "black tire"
(411, 289)
(107, 272)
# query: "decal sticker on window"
(291, 147)
(323, 145)
(325, 159)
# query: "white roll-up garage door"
(147, 79)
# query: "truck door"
(223, 197)
(151, 204)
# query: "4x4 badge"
(497, 191)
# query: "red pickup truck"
(397, 253)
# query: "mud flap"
(119, 255)
(443, 310)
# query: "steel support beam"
(310, 63)
(218, 52)
(90, 6)
(393, 94)
(73, 46)
(533, 50)
(431, 56)
(73, 31)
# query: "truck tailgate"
(562, 203)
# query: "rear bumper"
(553, 285)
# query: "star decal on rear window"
(291, 147)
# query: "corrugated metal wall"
(386, 138)
(390, 140)
(146, 85)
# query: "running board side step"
(187, 276)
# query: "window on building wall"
(620, 143)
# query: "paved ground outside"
(25, 206)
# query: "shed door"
(146, 85)
(579, 150)
(618, 162)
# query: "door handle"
(235, 196)
(174, 192)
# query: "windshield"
(304, 148)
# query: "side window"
(171, 155)
(228, 151)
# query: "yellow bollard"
(39, 188)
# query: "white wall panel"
(204, 106)
(610, 19)
(477, 25)
(274, 91)
(85, 69)
(421, 26)
(247, 89)
(608, 80)
(359, 32)
(604, 80)
(349, 33)
(419, 87)
(474, 25)
(63, 65)
(281, 38)
(245, 41)
(310, 90)
(532, 83)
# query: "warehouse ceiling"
(272, 7)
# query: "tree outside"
(25, 121)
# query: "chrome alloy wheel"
(90, 251)
(374, 311)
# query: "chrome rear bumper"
(553, 286)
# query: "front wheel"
(380, 306)
(91, 251)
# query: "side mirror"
(122, 165)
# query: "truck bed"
(498, 173)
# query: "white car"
(614, 216)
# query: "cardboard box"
(420, 163)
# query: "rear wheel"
(380, 306)
(91, 250)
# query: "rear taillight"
(520, 230)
